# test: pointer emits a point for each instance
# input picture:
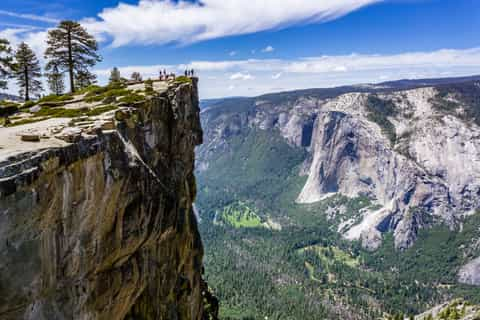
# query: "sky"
(247, 48)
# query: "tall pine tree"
(115, 76)
(27, 71)
(5, 62)
(55, 81)
(136, 76)
(72, 49)
(84, 78)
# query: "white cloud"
(357, 62)
(241, 76)
(268, 75)
(37, 40)
(27, 16)
(277, 76)
(164, 21)
(268, 49)
(258, 76)
(340, 69)
(232, 53)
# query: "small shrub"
(88, 89)
(132, 98)
(183, 79)
(55, 98)
(149, 86)
(117, 92)
(61, 112)
(8, 108)
(28, 104)
(100, 110)
(108, 92)
(94, 99)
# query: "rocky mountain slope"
(418, 160)
(394, 164)
(96, 211)
(457, 309)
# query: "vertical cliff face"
(415, 153)
(103, 228)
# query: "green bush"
(4, 104)
(100, 110)
(28, 104)
(88, 89)
(94, 99)
(149, 86)
(117, 92)
(60, 112)
(55, 98)
(183, 79)
(101, 93)
(132, 98)
(7, 108)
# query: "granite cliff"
(411, 148)
(96, 213)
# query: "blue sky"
(243, 47)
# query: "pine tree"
(27, 71)
(5, 62)
(55, 81)
(84, 78)
(136, 76)
(72, 49)
(115, 76)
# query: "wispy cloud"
(268, 49)
(34, 38)
(241, 76)
(159, 22)
(258, 76)
(277, 76)
(19, 25)
(27, 16)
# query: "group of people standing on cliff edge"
(189, 73)
(165, 76)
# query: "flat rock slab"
(11, 142)
(30, 137)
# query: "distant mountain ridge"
(402, 84)
(383, 114)
(6, 96)
(391, 167)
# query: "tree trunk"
(70, 61)
(27, 85)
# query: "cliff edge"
(96, 218)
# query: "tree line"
(70, 50)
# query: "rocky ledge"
(96, 218)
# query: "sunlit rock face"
(103, 228)
(428, 175)
(414, 152)
(470, 273)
